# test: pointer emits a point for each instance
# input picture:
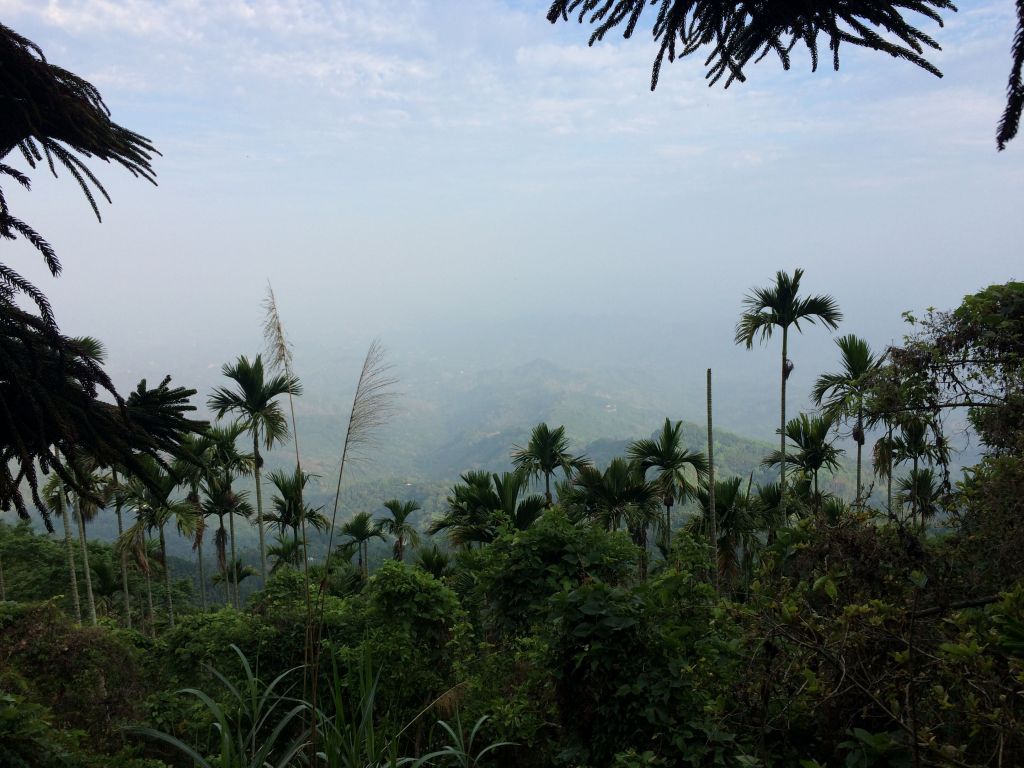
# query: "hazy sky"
(391, 164)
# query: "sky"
(449, 173)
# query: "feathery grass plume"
(372, 405)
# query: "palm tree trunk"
(3, 586)
(202, 574)
(712, 512)
(124, 571)
(547, 489)
(817, 496)
(888, 461)
(234, 561)
(71, 555)
(149, 600)
(860, 445)
(782, 428)
(167, 577)
(91, 601)
(913, 497)
(259, 506)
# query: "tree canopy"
(732, 35)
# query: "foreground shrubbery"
(850, 637)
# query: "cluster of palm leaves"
(362, 528)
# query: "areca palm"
(913, 444)
(814, 450)
(518, 509)
(667, 455)
(920, 489)
(56, 500)
(254, 400)
(620, 495)
(289, 510)
(360, 529)
(220, 500)
(93, 488)
(398, 525)
(739, 521)
(842, 394)
(778, 307)
(546, 453)
(470, 516)
(150, 499)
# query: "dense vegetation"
(644, 610)
(590, 627)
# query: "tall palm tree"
(814, 450)
(779, 306)
(55, 497)
(842, 394)
(221, 500)
(150, 500)
(225, 463)
(546, 453)
(667, 455)
(398, 525)
(254, 400)
(915, 444)
(94, 488)
(360, 529)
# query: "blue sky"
(389, 164)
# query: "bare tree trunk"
(259, 506)
(167, 578)
(124, 570)
(90, 599)
(71, 555)
(712, 512)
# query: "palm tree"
(779, 307)
(220, 500)
(235, 573)
(739, 521)
(471, 513)
(289, 511)
(545, 454)
(671, 459)
(286, 551)
(434, 561)
(913, 444)
(518, 510)
(55, 497)
(620, 495)
(842, 394)
(253, 399)
(814, 450)
(920, 489)
(150, 499)
(360, 529)
(225, 463)
(93, 491)
(398, 525)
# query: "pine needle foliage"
(52, 116)
(50, 384)
(734, 34)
